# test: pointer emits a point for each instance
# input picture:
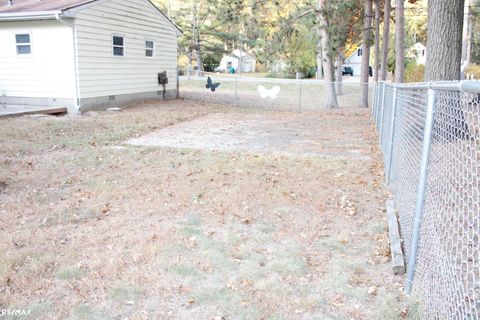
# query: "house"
(354, 60)
(418, 52)
(85, 54)
(237, 57)
(278, 66)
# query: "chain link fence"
(270, 93)
(429, 136)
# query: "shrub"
(473, 72)
(414, 73)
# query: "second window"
(149, 48)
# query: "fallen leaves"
(372, 290)
(339, 300)
(348, 206)
(246, 221)
(106, 209)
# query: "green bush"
(473, 71)
(414, 73)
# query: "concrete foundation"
(89, 104)
(39, 102)
(102, 103)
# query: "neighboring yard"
(226, 213)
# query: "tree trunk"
(444, 40)
(385, 40)
(467, 38)
(196, 40)
(444, 56)
(399, 40)
(330, 96)
(338, 75)
(377, 41)
(367, 25)
(199, 61)
(319, 61)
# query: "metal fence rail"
(430, 139)
(290, 95)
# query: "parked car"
(347, 70)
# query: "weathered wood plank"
(17, 110)
(398, 263)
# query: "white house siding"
(248, 63)
(355, 62)
(46, 75)
(100, 73)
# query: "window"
(22, 42)
(149, 48)
(360, 52)
(423, 53)
(118, 46)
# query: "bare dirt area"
(185, 210)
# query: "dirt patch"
(194, 230)
(273, 133)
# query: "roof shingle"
(39, 5)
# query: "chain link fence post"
(381, 113)
(392, 135)
(299, 95)
(236, 85)
(422, 183)
(377, 103)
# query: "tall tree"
(319, 61)
(444, 55)
(385, 39)
(444, 39)
(196, 37)
(338, 74)
(399, 40)
(330, 96)
(467, 37)
(377, 41)
(344, 28)
(475, 35)
(367, 31)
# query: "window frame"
(152, 48)
(123, 46)
(29, 43)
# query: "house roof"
(237, 54)
(47, 9)
(419, 45)
(37, 5)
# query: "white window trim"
(124, 44)
(16, 44)
(154, 51)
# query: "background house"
(354, 60)
(232, 60)
(84, 54)
(418, 52)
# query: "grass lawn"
(94, 227)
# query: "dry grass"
(91, 228)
